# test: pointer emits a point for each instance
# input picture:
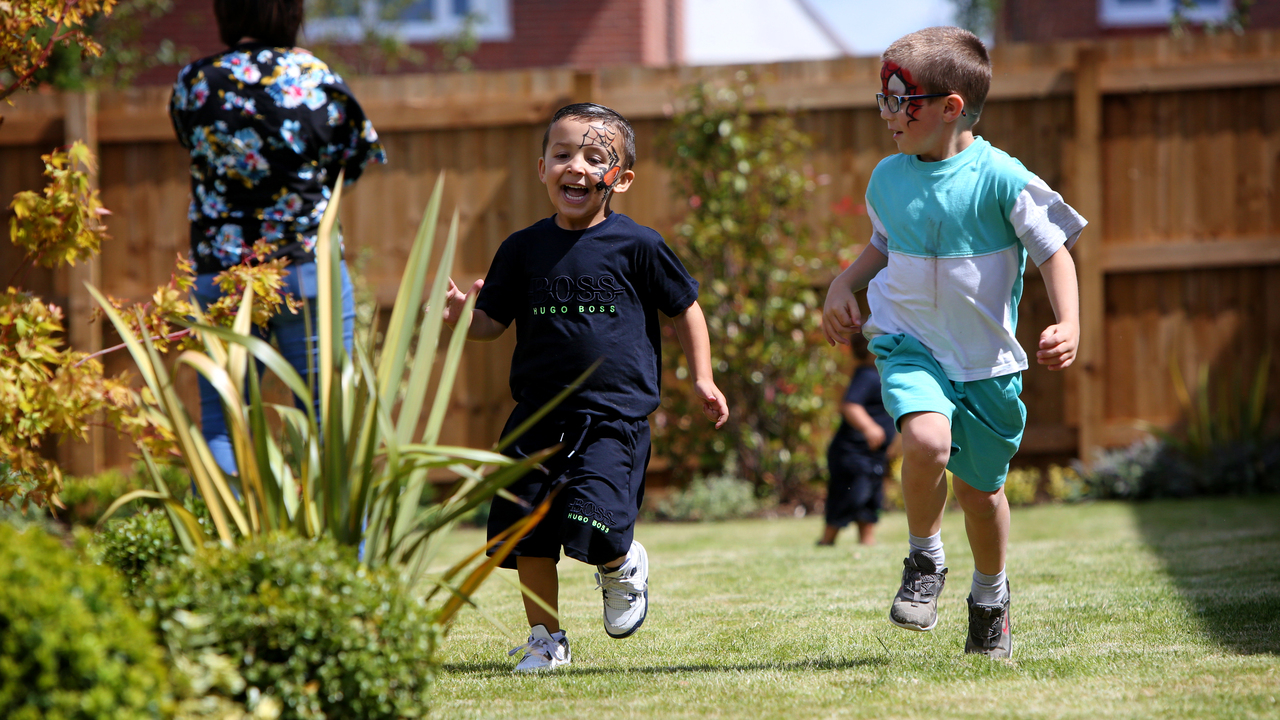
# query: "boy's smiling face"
(582, 167)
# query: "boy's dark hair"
(946, 59)
(274, 22)
(610, 118)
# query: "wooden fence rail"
(1171, 147)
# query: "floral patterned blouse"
(268, 129)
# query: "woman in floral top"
(269, 126)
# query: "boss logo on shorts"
(564, 295)
(585, 511)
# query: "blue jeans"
(291, 338)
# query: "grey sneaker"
(542, 652)
(626, 593)
(989, 629)
(915, 607)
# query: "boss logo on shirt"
(563, 295)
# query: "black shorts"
(600, 472)
(855, 492)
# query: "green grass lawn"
(1156, 610)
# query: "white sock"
(931, 546)
(989, 589)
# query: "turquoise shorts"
(987, 418)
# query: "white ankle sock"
(988, 589)
(931, 546)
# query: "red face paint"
(896, 80)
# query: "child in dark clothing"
(586, 284)
(857, 455)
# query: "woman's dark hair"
(274, 22)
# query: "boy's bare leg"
(926, 448)
(829, 533)
(866, 533)
(540, 577)
(986, 521)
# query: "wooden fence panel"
(1171, 147)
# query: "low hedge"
(71, 646)
(305, 625)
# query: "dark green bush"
(1150, 469)
(86, 498)
(71, 647)
(305, 624)
(134, 546)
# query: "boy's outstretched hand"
(454, 299)
(840, 314)
(713, 402)
(1058, 345)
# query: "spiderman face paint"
(896, 80)
(602, 136)
(582, 168)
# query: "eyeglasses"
(894, 102)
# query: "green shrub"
(1066, 485)
(1021, 485)
(1151, 469)
(136, 545)
(86, 498)
(304, 624)
(712, 498)
(71, 647)
(765, 263)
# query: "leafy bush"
(1151, 469)
(304, 624)
(137, 545)
(710, 498)
(70, 645)
(1021, 486)
(747, 239)
(1065, 485)
(87, 498)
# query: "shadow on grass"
(504, 669)
(1223, 555)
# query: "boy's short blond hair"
(945, 59)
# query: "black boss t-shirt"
(864, 390)
(576, 296)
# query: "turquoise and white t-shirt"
(957, 234)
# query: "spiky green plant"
(358, 471)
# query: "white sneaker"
(542, 652)
(626, 593)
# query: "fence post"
(1087, 199)
(81, 123)
(586, 86)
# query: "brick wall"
(1045, 20)
(545, 33)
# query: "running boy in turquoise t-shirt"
(953, 221)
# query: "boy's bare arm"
(860, 419)
(840, 314)
(483, 327)
(691, 329)
(1058, 343)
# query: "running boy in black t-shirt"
(857, 454)
(586, 284)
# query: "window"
(1118, 13)
(408, 20)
